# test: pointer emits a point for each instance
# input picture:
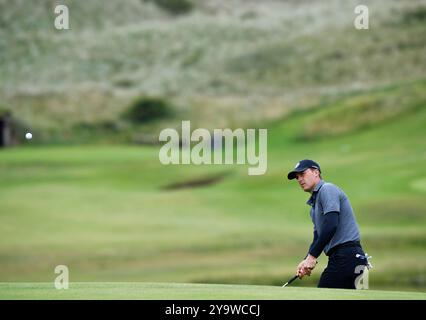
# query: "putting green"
(175, 291)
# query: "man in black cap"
(335, 230)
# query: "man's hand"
(299, 270)
(306, 266)
(310, 262)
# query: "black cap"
(301, 166)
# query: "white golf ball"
(29, 136)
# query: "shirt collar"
(311, 200)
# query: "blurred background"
(88, 190)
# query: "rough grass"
(235, 60)
(365, 110)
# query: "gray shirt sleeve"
(330, 198)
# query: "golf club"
(290, 281)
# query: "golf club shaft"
(290, 281)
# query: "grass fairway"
(182, 291)
(103, 211)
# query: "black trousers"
(345, 264)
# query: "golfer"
(335, 230)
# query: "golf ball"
(29, 136)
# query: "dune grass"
(222, 64)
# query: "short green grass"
(191, 291)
